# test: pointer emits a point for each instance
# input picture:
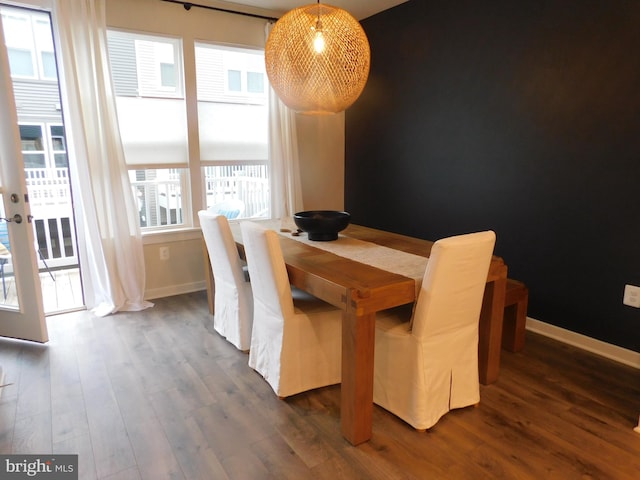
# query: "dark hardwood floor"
(158, 395)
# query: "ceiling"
(360, 9)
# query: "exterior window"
(49, 65)
(40, 151)
(33, 152)
(233, 130)
(255, 82)
(232, 124)
(157, 60)
(29, 45)
(158, 195)
(168, 75)
(147, 77)
(44, 48)
(235, 80)
(58, 146)
(20, 62)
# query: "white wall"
(321, 151)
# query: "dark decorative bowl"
(322, 225)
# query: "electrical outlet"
(631, 296)
(164, 253)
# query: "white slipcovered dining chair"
(233, 300)
(296, 342)
(426, 358)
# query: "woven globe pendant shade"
(317, 59)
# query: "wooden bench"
(515, 315)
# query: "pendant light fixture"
(317, 59)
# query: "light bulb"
(318, 42)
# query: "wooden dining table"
(361, 290)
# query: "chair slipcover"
(233, 301)
(296, 343)
(426, 363)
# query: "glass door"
(22, 316)
(43, 146)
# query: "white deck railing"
(248, 183)
(48, 187)
(160, 199)
(159, 203)
(52, 210)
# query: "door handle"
(17, 218)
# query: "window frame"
(192, 180)
(150, 90)
(231, 97)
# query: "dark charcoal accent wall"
(517, 116)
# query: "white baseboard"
(174, 290)
(607, 350)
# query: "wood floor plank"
(128, 474)
(34, 382)
(68, 413)
(230, 427)
(111, 446)
(79, 445)
(154, 454)
(32, 434)
(279, 459)
(244, 464)
(159, 394)
(7, 424)
(192, 451)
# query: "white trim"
(172, 290)
(171, 235)
(607, 350)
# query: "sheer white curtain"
(109, 236)
(286, 193)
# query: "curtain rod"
(187, 6)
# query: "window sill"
(175, 235)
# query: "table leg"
(358, 343)
(490, 330)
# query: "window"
(243, 69)
(20, 62)
(32, 142)
(167, 75)
(44, 48)
(234, 80)
(29, 44)
(148, 77)
(58, 146)
(43, 150)
(49, 65)
(158, 193)
(255, 82)
(233, 129)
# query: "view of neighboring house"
(232, 104)
(227, 169)
(42, 133)
(148, 81)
